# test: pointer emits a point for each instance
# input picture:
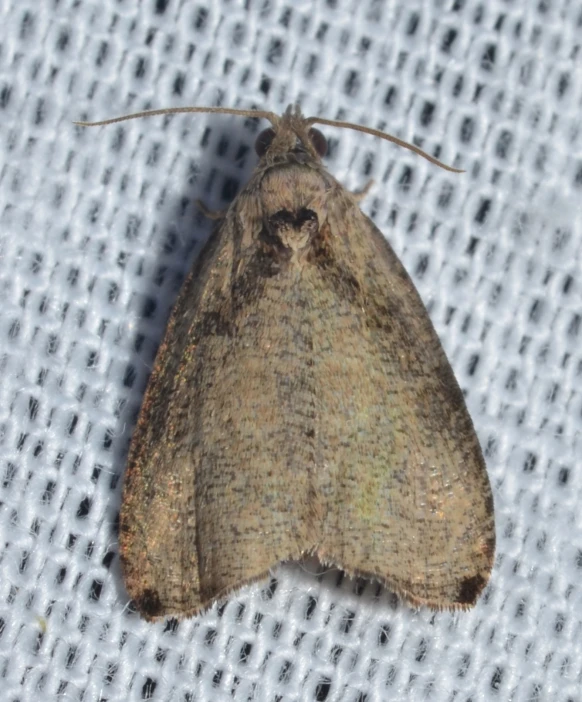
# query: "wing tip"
(148, 603)
(461, 597)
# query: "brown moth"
(301, 403)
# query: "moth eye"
(264, 140)
(318, 141)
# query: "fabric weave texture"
(98, 229)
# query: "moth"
(301, 403)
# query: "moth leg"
(361, 194)
(211, 214)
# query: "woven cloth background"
(97, 230)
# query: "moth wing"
(283, 418)
(157, 532)
(411, 502)
(207, 504)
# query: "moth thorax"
(292, 230)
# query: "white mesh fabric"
(97, 230)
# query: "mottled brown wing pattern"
(413, 505)
(224, 447)
(157, 520)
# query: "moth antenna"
(387, 137)
(274, 119)
(271, 116)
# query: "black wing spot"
(470, 589)
(149, 603)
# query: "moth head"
(281, 139)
